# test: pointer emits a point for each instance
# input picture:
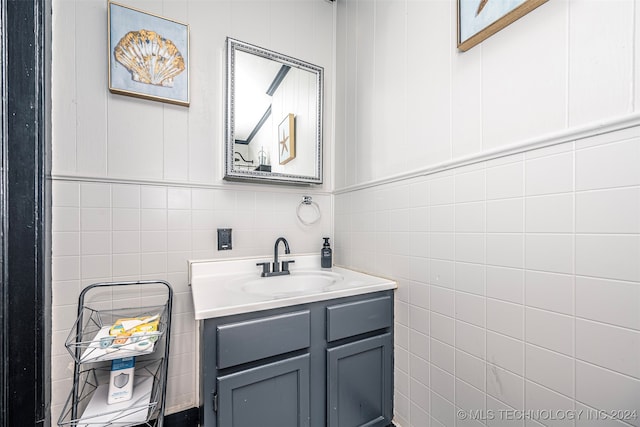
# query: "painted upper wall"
(407, 99)
(99, 134)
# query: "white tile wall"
(441, 355)
(470, 369)
(533, 288)
(115, 232)
(608, 346)
(623, 392)
(504, 284)
(539, 285)
(505, 386)
(506, 352)
(608, 301)
(542, 399)
(550, 369)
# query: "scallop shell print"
(149, 57)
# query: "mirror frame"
(231, 173)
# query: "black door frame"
(25, 312)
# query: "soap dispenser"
(325, 254)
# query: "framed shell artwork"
(148, 55)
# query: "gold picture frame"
(287, 139)
(148, 55)
(480, 19)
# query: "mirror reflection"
(274, 116)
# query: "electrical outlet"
(224, 239)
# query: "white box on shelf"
(99, 413)
(121, 380)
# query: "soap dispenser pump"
(325, 254)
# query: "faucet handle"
(265, 268)
(285, 265)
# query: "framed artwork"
(479, 19)
(148, 55)
(287, 139)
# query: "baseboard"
(187, 418)
(190, 418)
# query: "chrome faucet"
(276, 270)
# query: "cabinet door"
(359, 383)
(272, 395)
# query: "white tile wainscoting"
(519, 282)
(116, 231)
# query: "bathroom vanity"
(321, 356)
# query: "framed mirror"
(273, 116)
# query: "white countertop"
(215, 289)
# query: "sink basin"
(296, 283)
(233, 286)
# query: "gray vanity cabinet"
(359, 370)
(359, 375)
(326, 363)
(276, 394)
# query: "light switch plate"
(224, 239)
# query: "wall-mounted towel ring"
(311, 206)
